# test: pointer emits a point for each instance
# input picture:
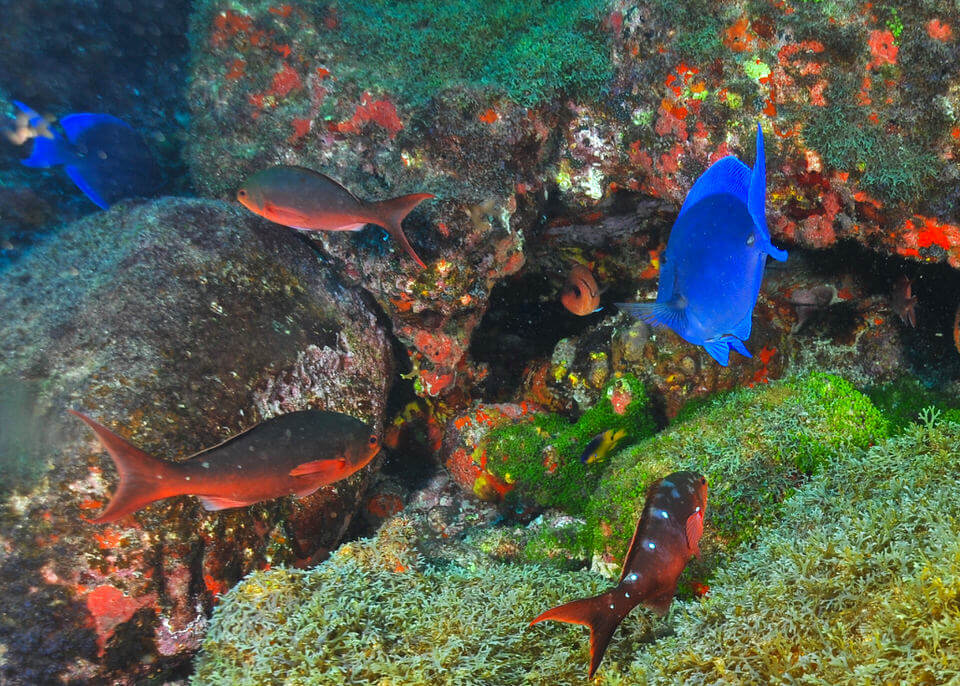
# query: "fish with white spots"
(667, 536)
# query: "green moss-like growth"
(525, 51)
(903, 401)
(892, 166)
(755, 446)
(542, 458)
(698, 25)
(365, 617)
(857, 584)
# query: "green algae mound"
(858, 583)
(377, 613)
(856, 580)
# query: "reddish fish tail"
(601, 613)
(143, 478)
(392, 213)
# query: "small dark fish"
(903, 302)
(808, 301)
(580, 295)
(667, 536)
(956, 329)
(711, 271)
(293, 454)
(602, 445)
(305, 199)
(103, 155)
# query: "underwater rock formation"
(866, 541)
(176, 323)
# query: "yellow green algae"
(541, 458)
(755, 446)
(855, 581)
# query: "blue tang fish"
(103, 155)
(711, 271)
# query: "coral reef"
(177, 323)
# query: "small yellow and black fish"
(602, 445)
(667, 536)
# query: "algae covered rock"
(176, 323)
(857, 583)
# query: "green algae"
(755, 446)
(905, 400)
(525, 51)
(858, 583)
(378, 613)
(541, 458)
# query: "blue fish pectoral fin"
(75, 124)
(727, 175)
(658, 314)
(212, 503)
(79, 176)
(718, 350)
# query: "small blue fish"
(103, 155)
(711, 271)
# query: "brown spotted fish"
(305, 199)
(667, 536)
(293, 454)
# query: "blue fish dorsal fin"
(757, 201)
(77, 175)
(727, 175)
(75, 124)
(718, 350)
(658, 314)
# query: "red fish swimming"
(293, 454)
(667, 536)
(305, 199)
(903, 302)
(580, 295)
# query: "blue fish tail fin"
(47, 152)
(658, 314)
(718, 350)
(737, 344)
(757, 200)
(742, 330)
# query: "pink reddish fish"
(903, 302)
(305, 199)
(667, 536)
(580, 295)
(293, 454)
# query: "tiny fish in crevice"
(580, 294)
(903, 302)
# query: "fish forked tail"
(392, 213)
(143, 478)
(602, 613)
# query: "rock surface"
(176, 323)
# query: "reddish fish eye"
(373, 440)
(241, 193)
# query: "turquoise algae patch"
(525, 51)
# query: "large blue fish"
(103, 155)
(711, 271)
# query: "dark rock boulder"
(176, 323)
